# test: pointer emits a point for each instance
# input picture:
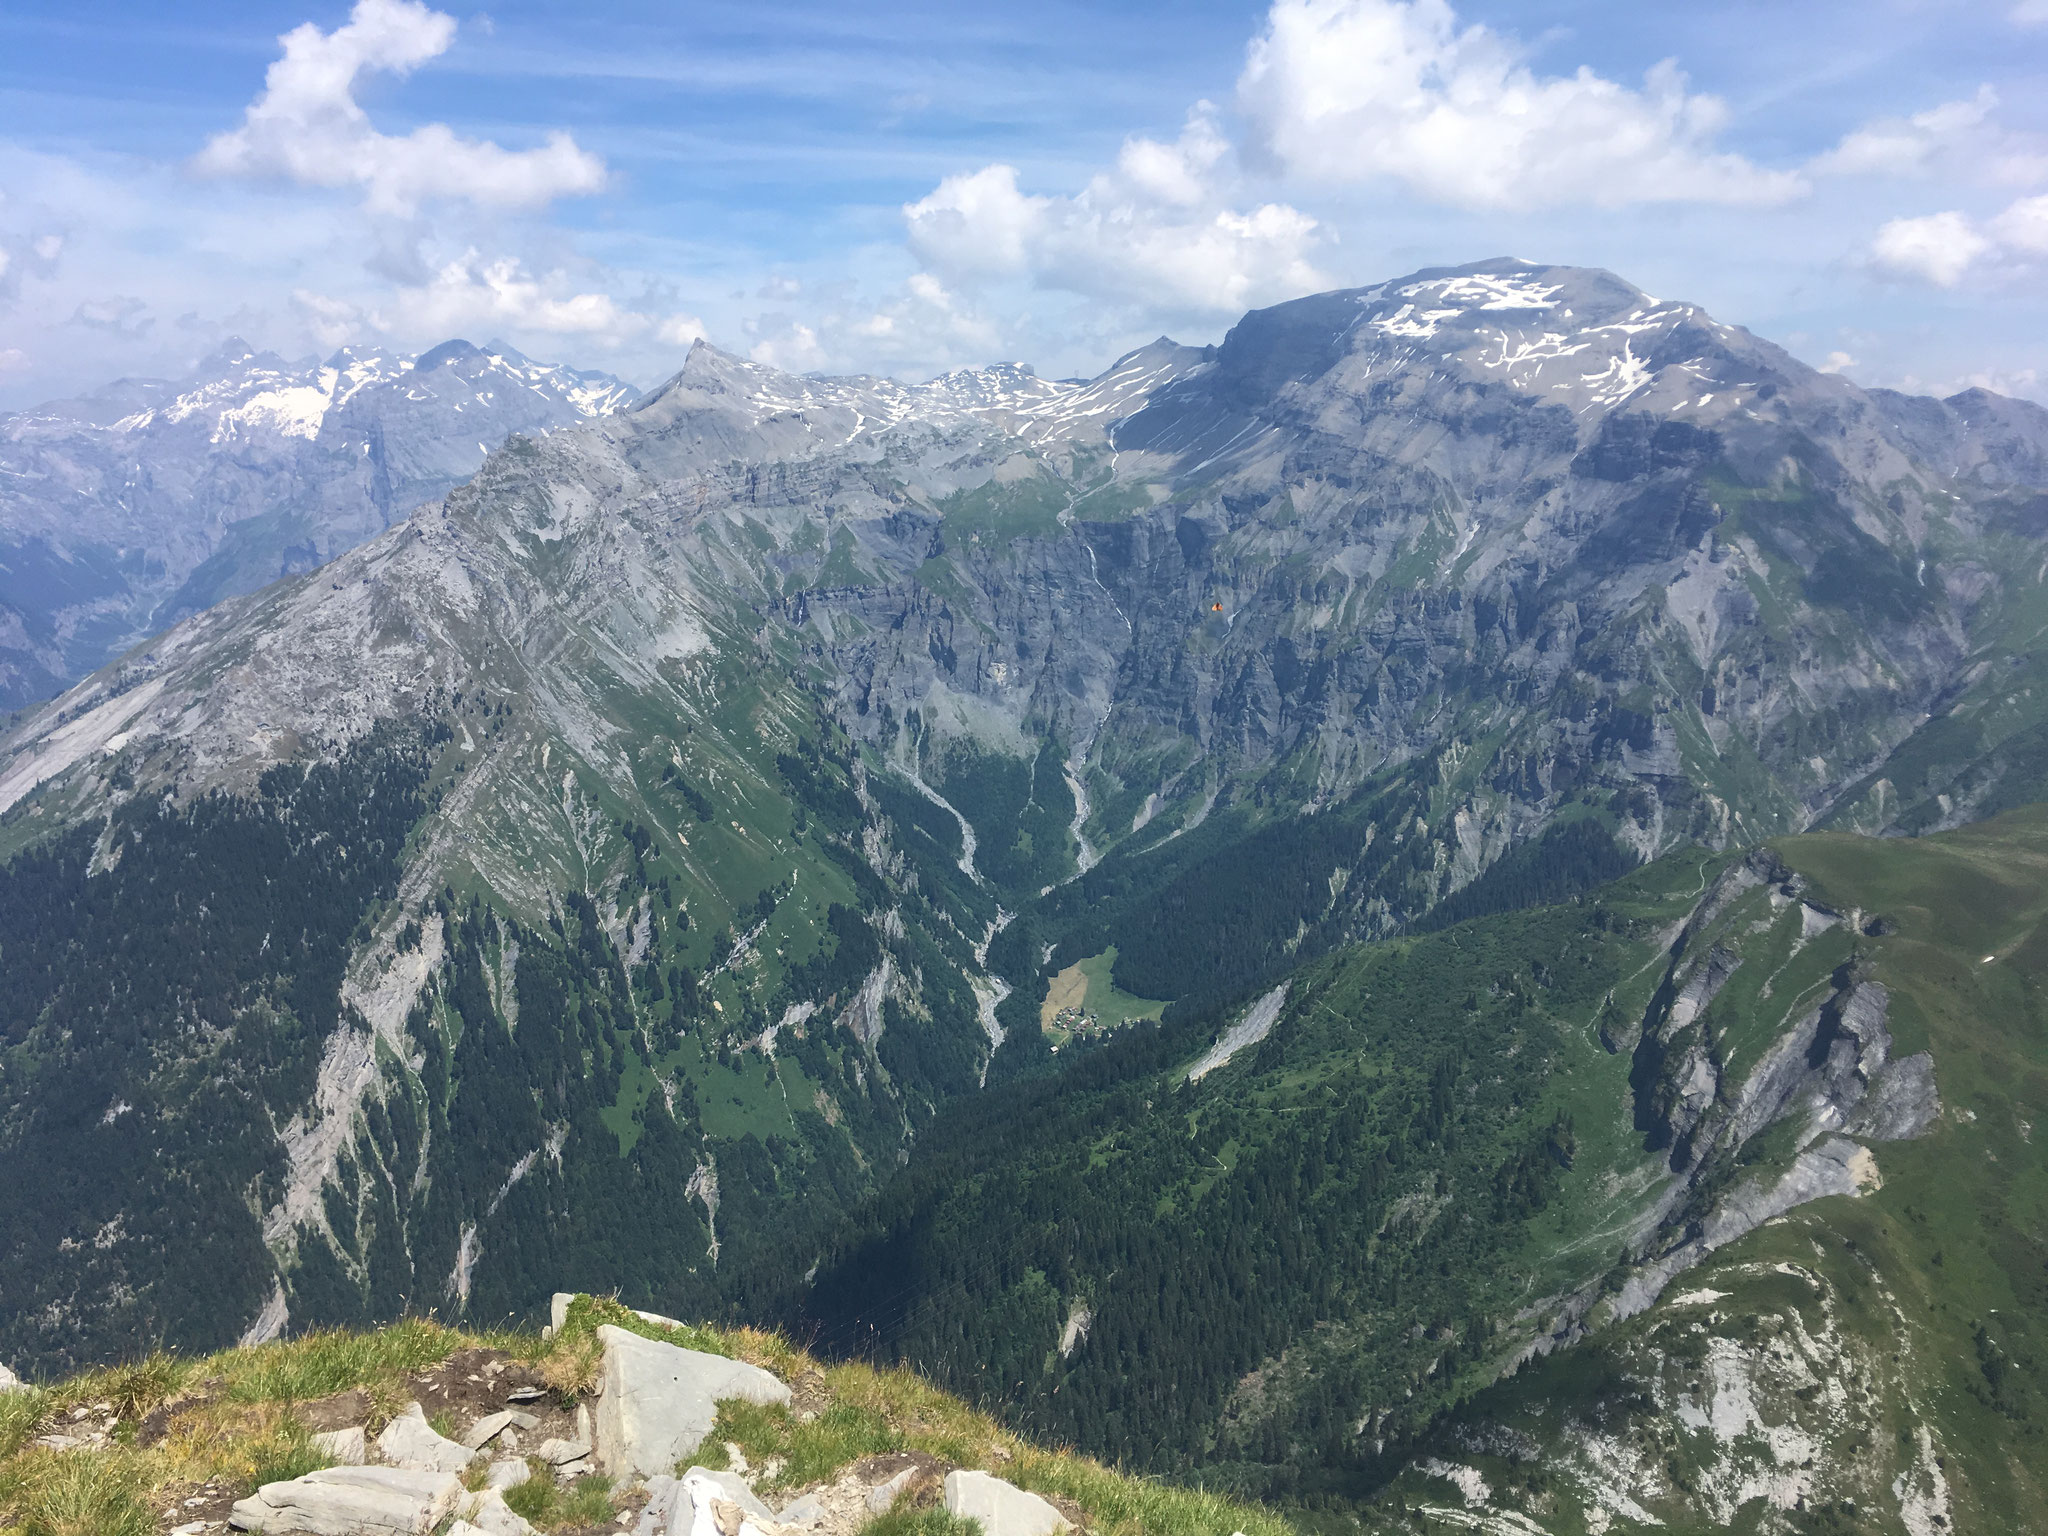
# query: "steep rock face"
(1558, 493)
(1624, 551)
(132, 508)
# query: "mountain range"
(1443, 706)
(148, 500)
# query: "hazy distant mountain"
(147, 500)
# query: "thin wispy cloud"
(1963, 140)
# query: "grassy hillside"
(1330, 1271)
(1218, 1277)
(171, 1439)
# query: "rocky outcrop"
(704, 1500)
(1901, 1102)
(1830, 1074)
(507, 1472)
(1001, 1509)
(410, 1441)
(345, 1447)
(488, 1428)
(487, 1514)
(883, 1495)
(558, 1314)
(1837, 1166)
(351, 1501)
(568, 1457)
(657, 1401)
(376, 1501)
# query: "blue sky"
(909, 187)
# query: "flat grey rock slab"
(665, 1497)
(659, 1401)
(556, 1452)
(349, 1447)
(410, 1441)
(1003, 1509)
(729, 1486)
(882, 1497)
(351, 1501)
(806, 1510)
(488, 1514)
(507, 1472)
(490, 1426)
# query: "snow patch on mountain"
(297, 410)
(158, 499)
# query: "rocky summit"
(592, 1427)
(1430, 912)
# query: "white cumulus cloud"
(333, 322)
(2023, 227)
(927, 320)
(923, 325)
(307, 126)
(1936, 247)
(979, 222)
(1160, 229)
(1344, 91)
(1941, 247)
(791, 346)
(680, 330)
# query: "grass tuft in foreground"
(80, 1494)
(810, 1451)
(921, 1522)
(547, 1504)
